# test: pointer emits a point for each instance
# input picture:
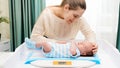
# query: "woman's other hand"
(95, 48)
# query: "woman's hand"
(95, 48)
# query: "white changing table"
(109, 55)
(3, 57)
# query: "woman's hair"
(74, 4)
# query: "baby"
(67, 50)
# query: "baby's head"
(87, 53)
(85, 49)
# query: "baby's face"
(85, 49)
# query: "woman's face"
(71, 16)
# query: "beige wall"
(4, 9)
(4, 27)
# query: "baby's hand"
(73, 49)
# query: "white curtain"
(102, 15)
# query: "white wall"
(52, 2)
(102, 15)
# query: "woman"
(61, 23)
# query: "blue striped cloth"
(60, 51)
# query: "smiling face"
(71, 16)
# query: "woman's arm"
(87, 31)
(38, 31)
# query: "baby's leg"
(32, 44)
(29, 43)
(46, 47)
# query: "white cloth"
(109, 55)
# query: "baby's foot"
(29, 43)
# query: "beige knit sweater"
(56, 28)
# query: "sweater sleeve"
(87, 31)
(39, 29)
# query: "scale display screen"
(62, 63)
